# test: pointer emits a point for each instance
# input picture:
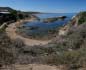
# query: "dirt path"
(34, 67)
(11, 32)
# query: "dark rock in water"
(28, 27)
(33, 27)
(49, 20)
(62, 17)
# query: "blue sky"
(55, 6)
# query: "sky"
(49, 6)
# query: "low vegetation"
(6, 53)
(82, 17)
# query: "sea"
(43, 28)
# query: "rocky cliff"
(76, 21)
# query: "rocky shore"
(51, 33)
(11, 32)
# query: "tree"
(14, 14)
(21, 16)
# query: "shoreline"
(11, 32)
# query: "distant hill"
(30, 12)
(6, 9)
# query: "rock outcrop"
(49, 20)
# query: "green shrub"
(82, 18)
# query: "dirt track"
(34, 67)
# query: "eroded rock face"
(64, 30)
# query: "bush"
(82, 18)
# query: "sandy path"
(10, 30)
(34, 67)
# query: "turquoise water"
(44, 27)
